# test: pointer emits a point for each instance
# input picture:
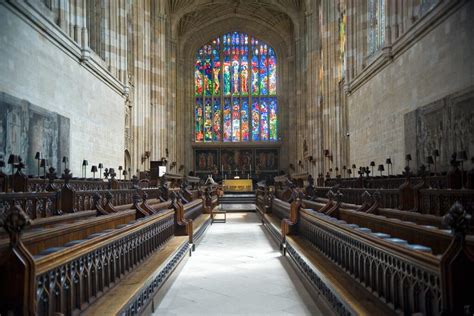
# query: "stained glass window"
(235, 86)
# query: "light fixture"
(94, 170)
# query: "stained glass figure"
(227, 121)
(235, 84)
(244, 116)
(264, 119)
(216, 120)
(255, 121)
(199, 120)
(273, 119)
(236, 120)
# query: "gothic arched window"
(235, 90)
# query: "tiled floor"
(237, 270)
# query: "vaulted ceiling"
(282, 16)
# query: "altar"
(237, 185)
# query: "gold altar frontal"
(238, 185)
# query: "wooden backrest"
(43, 238)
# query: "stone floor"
(237, 270)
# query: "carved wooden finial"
(96, 198)
(135, 182)
(14, 223)
(407, 173)
(136, 199)
(330, 195)
(376, 196)
(339, 196)
(144, 196)
(108, 197)
(51, 176)
(366, 197)
(172, 196)
(422, 172)
(457, 219)
(67, 176)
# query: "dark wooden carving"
(17, 267)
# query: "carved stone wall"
(26, 129)
(446, 125)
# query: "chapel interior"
(236, 157)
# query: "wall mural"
(26, 129)
(236, 160)
(446, 125)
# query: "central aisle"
(236, 269)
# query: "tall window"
(376, 21)
(235, 90)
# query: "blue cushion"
(420, 248)
(363, 230)
(381, 235)
(50, 250)
(94, 235)
(398, 241)
(73, 243)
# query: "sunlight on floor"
(237, 270)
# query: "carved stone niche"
(446, 124)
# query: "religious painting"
(206, 160)
(26, 129)
(239, 160)
(266, 159)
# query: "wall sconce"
(372, 164)
(43, 164)
(38, 159)
(65, 161)
(381, 169)
(389, 165)
(292, 167)
(173, 164)
(435, 155)
(94, 170)
(408, 159)
(85, 163)
(101, 166)
(120, 168)
(181, 167)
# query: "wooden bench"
(82, 274)
(368, 257)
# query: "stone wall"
(33, 68)
(438, 64)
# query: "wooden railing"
(280, 208)
(36, 205)
(392, 182)
(67, 280)
(193, 209)
(437, 202)
(408, 280)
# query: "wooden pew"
(316, 242)
(81, 275)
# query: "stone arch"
(280, 37)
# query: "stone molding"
(388, 54)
